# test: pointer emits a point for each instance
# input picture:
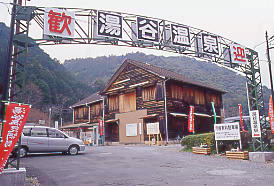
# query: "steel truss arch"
(86, 33)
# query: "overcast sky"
(243, 21)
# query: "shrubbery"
(209, 139)
(198, 139)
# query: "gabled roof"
(92, 98)
(161, 72)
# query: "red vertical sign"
(241, 117)
(15, 119)
(271, 114)
(101, 127)
(191, 119)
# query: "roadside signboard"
(255, 123)
(153, 128)
(227, 131)
(42, 122)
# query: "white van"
(46, 139)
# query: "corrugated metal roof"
(92, 98)
(161, 72)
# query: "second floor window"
(81, 113)
(176, 92)
(113, 103)
(96, 109)
(149, 93)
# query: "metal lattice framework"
(85, 33)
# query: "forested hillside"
(48, 83)
(96, 71)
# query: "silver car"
(46, 139)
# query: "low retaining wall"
(261, 156)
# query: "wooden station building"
(140, 93)
(86, 115)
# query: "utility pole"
(269, 63)
(7, 68)
(49, 116)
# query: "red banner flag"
(191, 119)
(241, 117)
(271, 114)
(15, 118)
(101, 127)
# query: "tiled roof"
(92, 98)
(164, 73)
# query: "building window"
(188, 95)
(149, 93)
(113, 103)
(81, 113)
(96, 109)
(127, 102)
(176, 92)
(199, 97)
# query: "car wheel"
(73, 150)
(23, 152)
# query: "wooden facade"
(138, 86)
(86, 115)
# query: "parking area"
(144, 165)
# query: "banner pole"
(217, 149)
(241, 148)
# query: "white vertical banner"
(140, 128)
(255, 123)
(56, 124)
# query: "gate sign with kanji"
(147, 29)
(238, 54)
(109, 25)
(210, 44)
(59, 22)
(180, 35)
(255, 123)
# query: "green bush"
(209, 139)
(198, 139)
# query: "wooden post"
(161, 138)
(149, 140)
(158, 143)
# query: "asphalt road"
(144, 165)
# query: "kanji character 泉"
(111, 24)
(210, 44)
(55, 20)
